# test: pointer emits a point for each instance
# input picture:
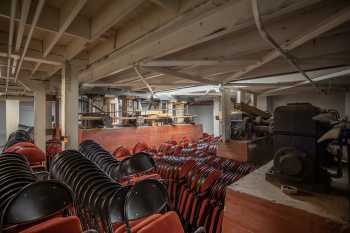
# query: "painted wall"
(12, 116)
(205, 116)
(26, 117)
(26, 113)
(332, 101)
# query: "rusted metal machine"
(249, 122)
(303, 157)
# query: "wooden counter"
(110, 139)
(258, 151)
(254, 205)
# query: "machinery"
(248, 122)
(301, 160)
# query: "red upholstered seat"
(34, 155)
(169, 223)
(121, 153)
(137, 225)
(140, 147)
(69, 224)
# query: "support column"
(253, 98)
(227, 108)
(262, 103)
(216, 114)
(49, 106)
(40, 117)
(241, 96)
(265, 103)
(70, 107)
(12, 116)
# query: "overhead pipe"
(11, 32)
(267, 37)
(29, 36)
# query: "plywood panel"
(110, 139)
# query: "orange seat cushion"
(137, 225)
(169, 223)
(69, 224)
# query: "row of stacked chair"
(100, 203)
(196, 179)
(26, 201)
(206, 145)
(21, 142)
(140, 205)
(29, 203)
(132, 168)
(197, 183)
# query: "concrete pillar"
(12, 116)
(347, 104)
(40, 117)
(253, 99)
(40, 112)
(227, 108)
(170, 108)
(49, 112)
(70, 106)
(241, 96)
(216, 117)
(262, 103)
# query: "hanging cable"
(290, 59)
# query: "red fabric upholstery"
(69, 224)
(185, 168)
(34, 155)
(169, 223)
(219, 224)
(214, 219)
(201, 215)
(183, 200)
(137, 224)
(121, 152)
(140, 147)
(53, 147)
(188, 206)
(135, 179)
(210, 180)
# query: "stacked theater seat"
(30, 205)
(112, 200)
(21, 142)
(121, 153)
(129, 170)
(197, 179)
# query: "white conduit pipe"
(29, 36)
(273, 43)
(11, 32)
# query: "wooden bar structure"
(110, 139)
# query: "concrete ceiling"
(173, 43)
